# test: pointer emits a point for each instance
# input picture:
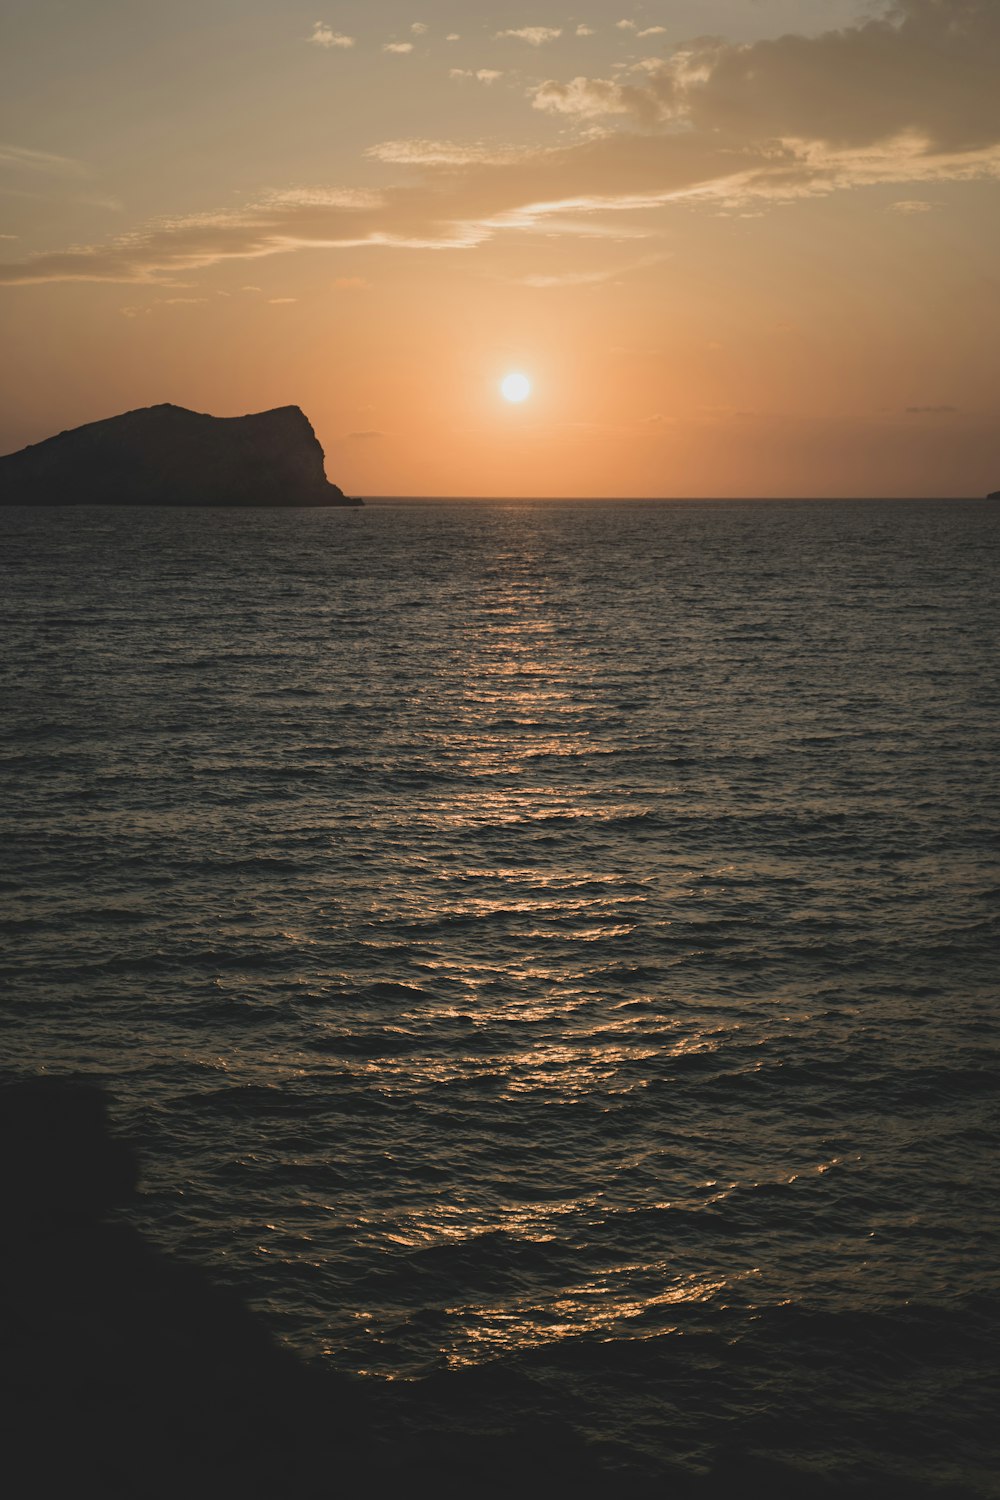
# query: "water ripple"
(554, 937)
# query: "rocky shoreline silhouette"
(131, 1374)
(125, 1372)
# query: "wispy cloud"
(420, 28)
(422, 153)
(467, 194)
(590, 278)
(582, 30)
(464, 196)
(909, 99)
(533, 35)
(483, 75)
(398, 47)
(323, 37)
(24, 160)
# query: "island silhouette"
(167, 455)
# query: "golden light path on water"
(521, 675)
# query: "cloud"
(443, 153)
(589, 278)
(594, 98)
(281, 301)
(22, 159)
(534, 35)
(398, 47)
(654, 31)
(907, 99)
(420, 28)
(323, 37)
(44, 176)
(626, 26)
(351, 284)
(463, 194)
(926, 71)
(585, 31)
(911, 206)
(453, 36)
(484, 75)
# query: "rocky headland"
(166, 455)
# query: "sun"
(515, 387)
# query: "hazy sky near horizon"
(740, 247)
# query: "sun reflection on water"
(602, 1305)
(546, 1024)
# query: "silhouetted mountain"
(995, 495)
(165, 455)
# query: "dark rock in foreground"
(995, 495)
(130, 1374)
(165, 455)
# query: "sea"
(554, 939)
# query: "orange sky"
(760, 262)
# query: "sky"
(739, 247)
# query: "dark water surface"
(554, 934)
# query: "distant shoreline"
(372, 500)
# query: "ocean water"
(552, 936)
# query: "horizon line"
(682, 499)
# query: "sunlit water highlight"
(555, 933)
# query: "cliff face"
(165, 455)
